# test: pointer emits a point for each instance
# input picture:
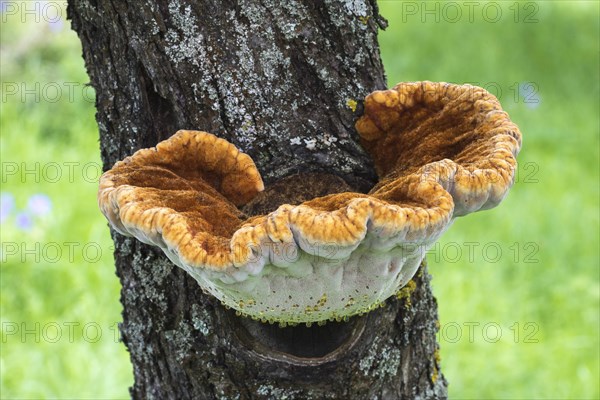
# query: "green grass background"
(519, 313)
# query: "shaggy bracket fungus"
(441, 151)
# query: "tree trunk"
(283, 81)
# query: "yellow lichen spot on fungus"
(350, 302)
(322, 300)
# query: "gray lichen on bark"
(248, 85)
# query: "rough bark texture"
(280, 80)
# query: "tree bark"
(283, 81)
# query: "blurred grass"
(59, 292)
(537, 298)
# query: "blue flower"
(39, 204)
(24, 221)
(7, 204)
(56, 25)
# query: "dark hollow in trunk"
(283, 81)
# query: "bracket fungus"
(441, 151)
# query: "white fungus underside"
(313, 288)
